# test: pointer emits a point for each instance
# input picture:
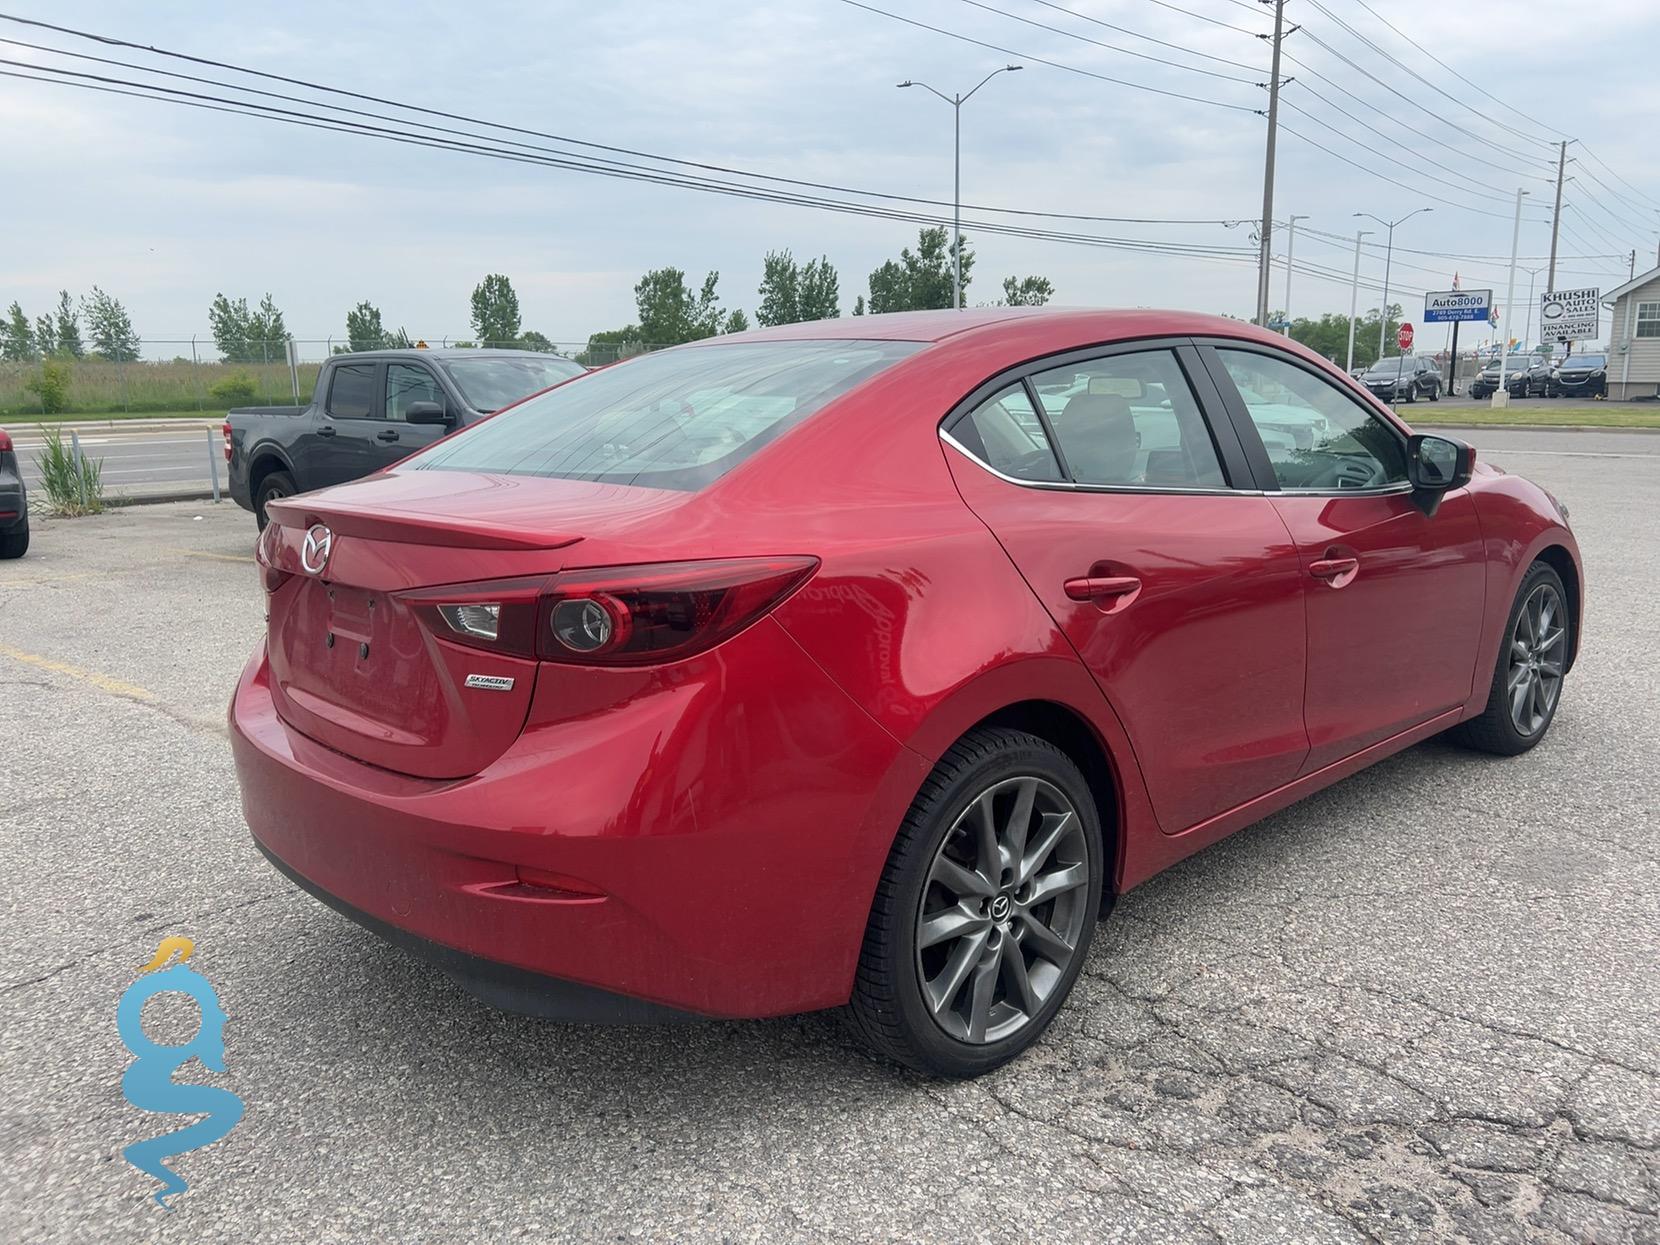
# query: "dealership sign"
(1448, 305)
(1570, 315)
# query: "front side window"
(406, 384)
(676, 419)
(1648, 319)
(1129, 419)
(352, 390)
(1005, 433)
(1317, 437)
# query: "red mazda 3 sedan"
(864, 662)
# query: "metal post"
(1290, 249)
(213, 463)
(1354, 298)
(1383, 316)
(957, 203)
(76, 458)
(1452, 363)
(293, 350)
(1268, 165)
(1556, 216)
(196, 371)
(1501, 395)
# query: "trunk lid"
(354, 665)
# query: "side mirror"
(1436, 465)
(426, 413)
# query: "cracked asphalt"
(1423, 1005)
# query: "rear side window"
(1005, 433)
(352, 390)
(1130, 420)
(677, 419)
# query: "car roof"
(1083, 323)
(450, 352)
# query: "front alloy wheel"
(983, 916)
(1538, 657)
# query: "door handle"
(387, 434)
(1337, 571)
(1094, 587)
(327, 430)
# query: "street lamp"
(1290, 246)
(1388, 256)
(957, 102)
(1354, 297)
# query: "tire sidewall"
(264, 495)
(1538, 573)
(942, 1052)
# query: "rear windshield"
(679, 419)
(490, 384)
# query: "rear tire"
(1533, 654)
(277, 484)
(16, 543)
(999, 857)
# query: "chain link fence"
(188, 376)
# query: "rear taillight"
(265, 557)
(616, 615)
(5, 441)
(226, 429)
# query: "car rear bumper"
(734, 841)
(14, 507)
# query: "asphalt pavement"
(1423, 1005)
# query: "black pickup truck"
(371, 409)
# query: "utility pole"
(1268, 163)
(1354, 298)
(1631, 265)
(1556, 216)
(1290, 246)
(1501, 395)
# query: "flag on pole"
(1455, 281)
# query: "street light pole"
(1354, 298)
(1388, 260)
(1290, 248)
(957, 102)
(1501, 395)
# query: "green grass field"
(1539, 414)
(102, 390)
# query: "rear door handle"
(1334, 568)
(387, 434)
(1094, 587)
(327, 430)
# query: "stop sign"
(1404, 337)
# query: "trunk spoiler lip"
(387, 523)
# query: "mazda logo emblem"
(1000, 908)
(315, 550)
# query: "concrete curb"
(150, 499)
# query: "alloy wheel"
(1538, 653)
(1004, 910)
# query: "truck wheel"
(277, 484)
(15, 544)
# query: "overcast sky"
(163, 206)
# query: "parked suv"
(1529, 377)
(1404, 378)
(1581, 376)
(371, 409)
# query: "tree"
(495, 311)
(109, 327)
(1329, 335)
(17, 339)
(859, 305)
(670, 313)
(68, 328)
(1027, 291)
(267, 334)
(364, 330)
(922, 280)
(611, 345)
(737, 322)
(46, 336)
(820, 290)
(780, 290)
(244, 336)
(530, 339)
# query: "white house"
(1634, 337)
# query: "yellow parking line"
(46, 581)
(101, 681)
(199, 553)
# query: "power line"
(1112, 47)
(1134, 34)
(1348, 239)
(1176, 8)
(1027, 56)
(1653, 204)
(714, 168)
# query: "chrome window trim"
(1067, 486)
